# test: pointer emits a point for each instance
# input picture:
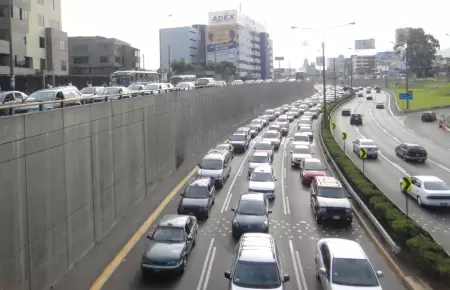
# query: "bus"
(128, 77)
(182, 78)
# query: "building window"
(62, 45)
(41, 2)
(80, 59)
(23, 14)
(41, 21)
(42, 63)
(103, 59)
(4, 34)
(63, 65)
(42, 42)
(4, 11)
(118, 59)
(25, 40)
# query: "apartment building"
(38, 41)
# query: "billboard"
(319, 61)
(222, 17)
(279, 57)
(365, 44)
(220, 38)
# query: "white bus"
(183, 78)
(128, 77)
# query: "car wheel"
(318, 220)
(419, 201)
(317, 273)
(404, 157)
(183, 266)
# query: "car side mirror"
(275, 179)
(182, 194)
(322, 271)
(199, 165)
(229, 138)
(349, 196)
(325, 169)
(149, 237)
(269, 211)
(190, 238)
(233, 210)
(227, 275)
(380, 274)
(286, 278)
(290, 152)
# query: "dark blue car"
(198, 198)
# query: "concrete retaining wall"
(68, 175)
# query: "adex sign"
(223, 17)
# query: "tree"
(418, 50)
(225, 68)
(178, 66)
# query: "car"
(253, 130)
(259, 158)
(428, 117)
(329, 201)
(265, 146)
(369, 97)
(258, 123)
(245, 130)
(274, 127)
(274, 137)
(379, 105)
(310, 168)
(300, 139)
(298, 153)
(216, 165)
(225, 146)
(277, 113)
(265, 120)
(240, 141)
(428, 191)
(170, 245)
(356, 119)
(360, 95)
(263, 180)
(291, 116)
(308, 114)
(306, 129)
(346, 112)
(198, 198)
(284, 127)
(411, 152)
(296, 112)
(257, 264)
(342, 264)
(251, 214)
(270, 113)
(368, 90)
(369, 145)
(314, 115)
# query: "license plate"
(190, 213)
(417, 154)
(336, 217)
(443, 204)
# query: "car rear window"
(417, 149)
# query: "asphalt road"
(388, 131)
(291, 223)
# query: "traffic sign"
(406, 96)
(333, 125)
(329, 118)
(363, 153)
(344, 136)
(406, 183)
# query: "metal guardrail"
(395, 248)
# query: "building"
(363, 64)
(101, 56)
(337, 65)
(38, 41)
(182, 43)
(284, 73)
(235, 37)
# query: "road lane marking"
(121, 255)
(302, 273)
(288, 207)
(208, 273)
(296, 273)
(205, 264)
(282, 179)
(228, 202)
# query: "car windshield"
(202, 81)
(152, 87)
(435, 185)
(301, 138)
(182, 85)
(242, 129)
(259, 159)
(168, 234)
(283, 119)
(222, 147)
(88, 90)
(256, 122)
(307, 113)
(331, 192)
(42, 96)
(110, 91)
(269, 112)
(270, 135)
(212, 164)
(251, 207)
(313, 165)
(238, 138)
(263, 146)
(353, 272)
(256, 275)
(196, 192)
(135, 87)
(301, 151)
(274, 128)
(261, 177)
(368, 143)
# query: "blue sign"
(406, 96)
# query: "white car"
(236, 82)
(184, 86)
(298, 153)
(259, 158)
(301, 139)
(263, 180)
(274, 137)
(367, 144)
(428, 190)
(342, 264)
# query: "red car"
(310, 168)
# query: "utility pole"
(334, 78)
(406, 77)
(11, 50)
(351, 72)
(325, 120)
(169, 61)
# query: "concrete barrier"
(69, 175)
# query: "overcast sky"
(138, 22)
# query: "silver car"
(300, 139)
(274, 137)
(298, 153)
(265, 146)
(259, 158)
(263, 180)
(368, 144)
(274, 127)
(284, 127)
(258, 123)
(291, 116)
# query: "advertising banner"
(319, 61)
(220, 38)
(279, 57)
(365, 44)
(223, 17)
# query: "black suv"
(356, 119)
(346, 112)
(251, 214)
(198, 198)
(428, 117)
(329, 201)
(240, 141)
(411, 152)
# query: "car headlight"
(235, 223)
(348, 210)
(265, 224)
(145, 259)
(322, 210)
(173, 263)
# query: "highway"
(388, 131)
(291, 223)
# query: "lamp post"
(11, 51)
(323, 60)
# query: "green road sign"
(333, 125)
(329, 118)
(344, 135)
(407, 183)
(363, 153)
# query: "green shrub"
(428, 256)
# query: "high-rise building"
(37, 38)
(182, 43)
(101, 56)
(363, 64)
(235, 37)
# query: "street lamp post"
(11, 52)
